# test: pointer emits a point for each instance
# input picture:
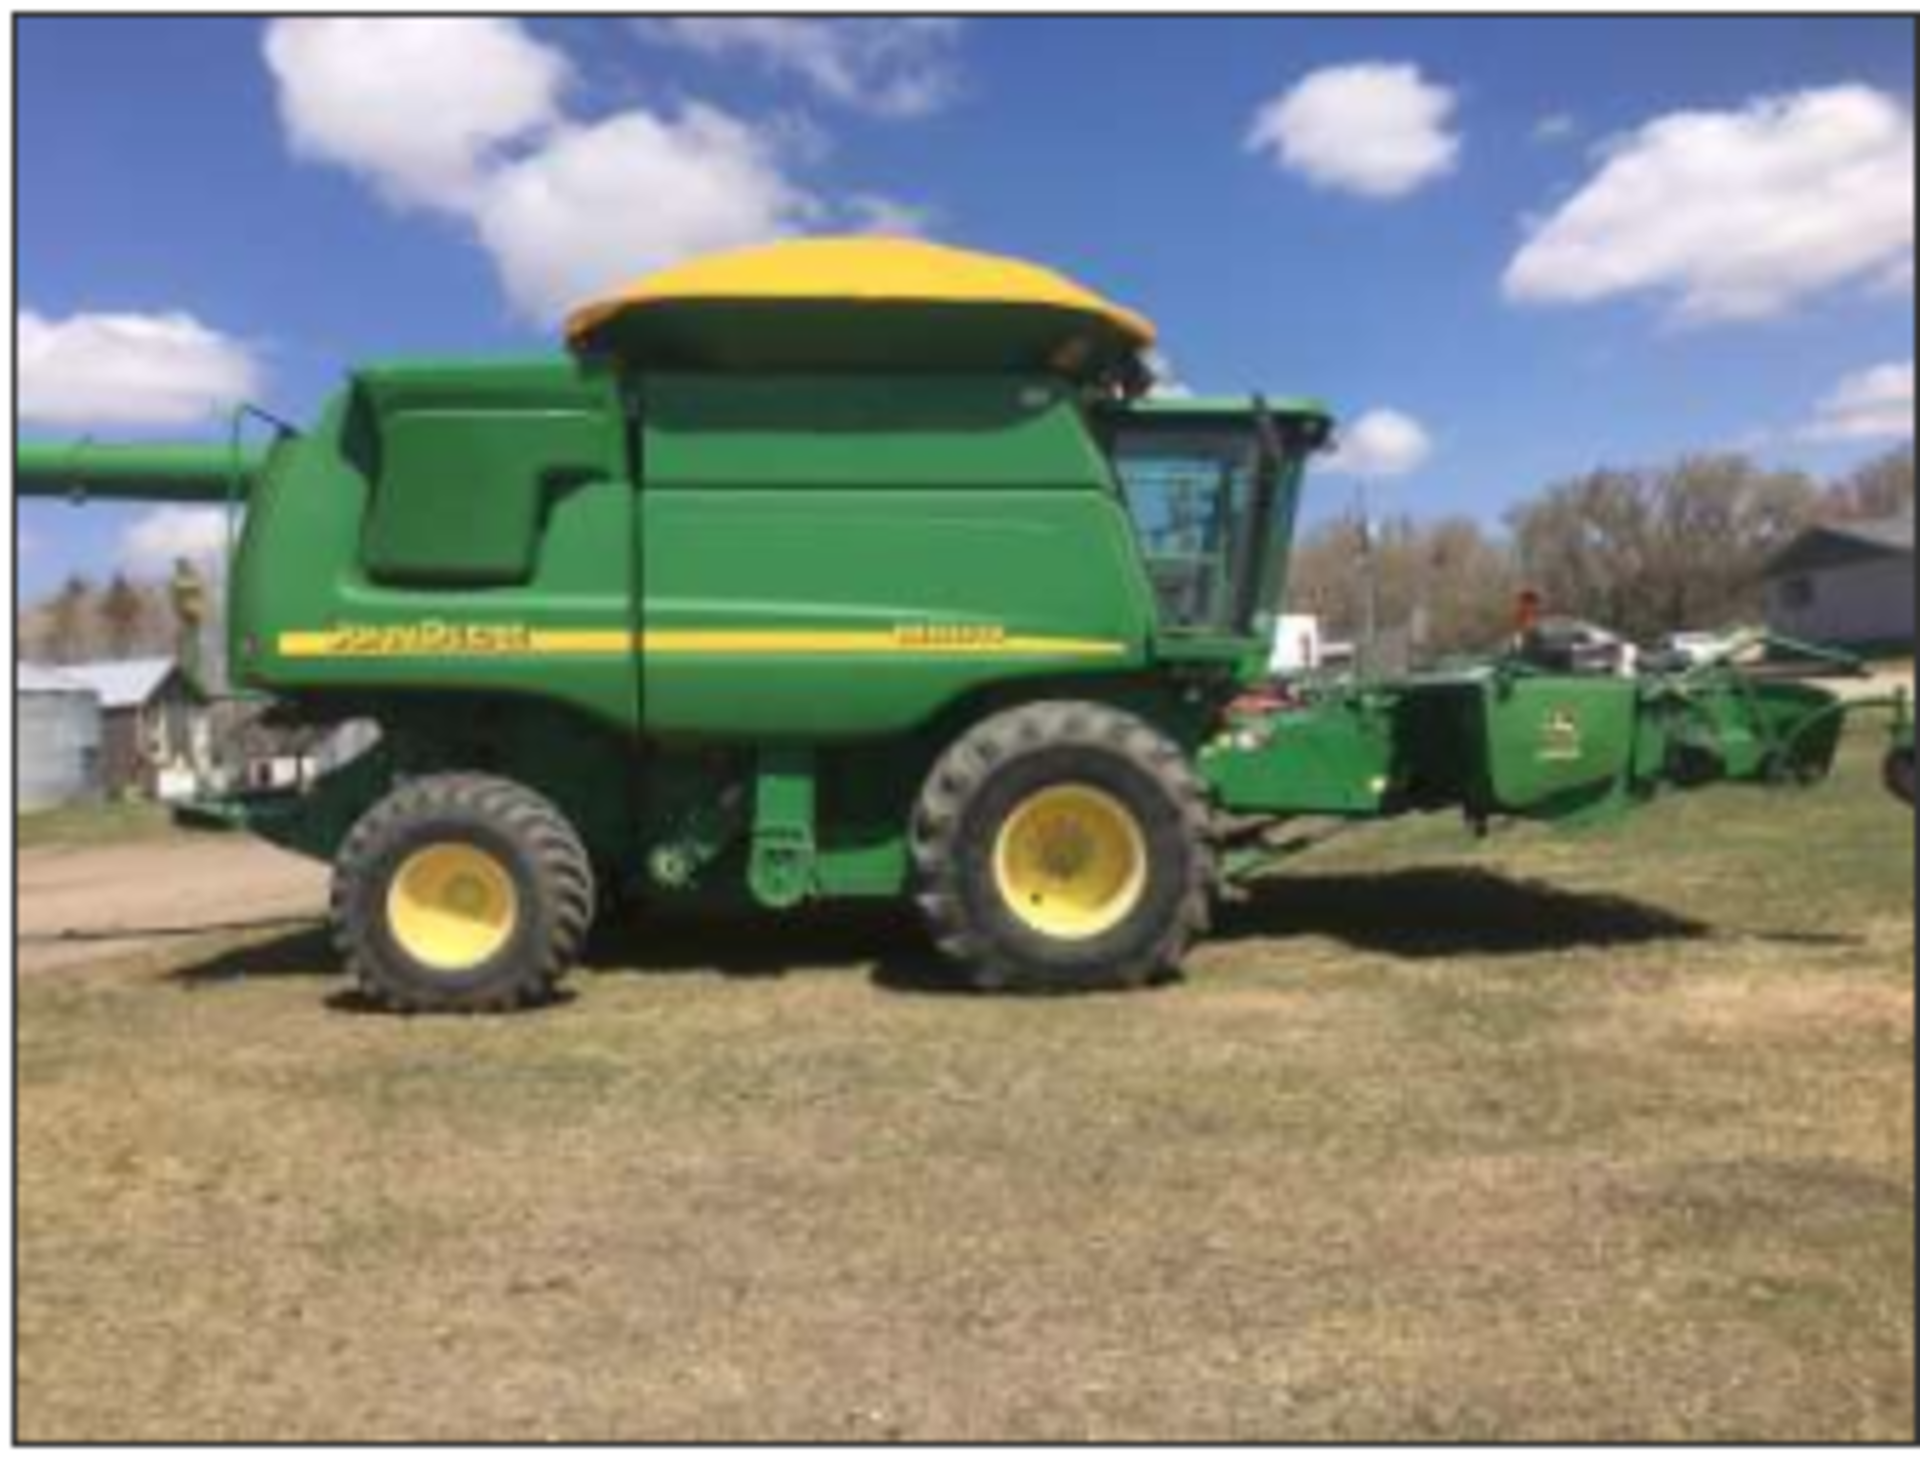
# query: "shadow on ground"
(1447, 913)
(1427, 913)
(288, 954)
(158, 933)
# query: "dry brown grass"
(1596, 1138)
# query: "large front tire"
(461, 893)
(1063, 846)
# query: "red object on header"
(1528, 608)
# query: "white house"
(153, 721)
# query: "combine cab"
(850, 569)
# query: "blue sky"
(1537, 245)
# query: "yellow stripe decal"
(488, 640)
(898, 640)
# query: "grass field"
(91, 824)
(1549, 1137)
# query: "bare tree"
(1585, 545)
(1444, 588)
(1880, 489)
(1718, 520)
(129, 618)
(123, 617)
(1653, 551)
(1467, 590)
(1642, 551)
(70, 633)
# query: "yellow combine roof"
(827, 275)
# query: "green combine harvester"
(852, 569)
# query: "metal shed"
(57, 740)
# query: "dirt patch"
(84, 906)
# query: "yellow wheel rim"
(1070, 862)
(452, 906)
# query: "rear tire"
(1061, 847)
(461, 893)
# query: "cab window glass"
(1190, 496)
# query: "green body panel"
(916, 612)
(326, 601)
(1554, 745)
(870, 551)
(858, 432)
(1508, 741)
(1331, 758)
(1497, 742)
(785, 811)
(460, 449)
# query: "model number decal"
(949, 635)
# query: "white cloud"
(1735, 215)
(1383, 444)
(1167, 382)
(161, 537)
(602, 203)
(1874, 403)
(899, 66)
(121, 370)
(1376, 129)
(467, 117)
(419, 107)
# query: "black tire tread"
(959, 775)
(560, 863)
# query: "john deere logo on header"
(1560, 736)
